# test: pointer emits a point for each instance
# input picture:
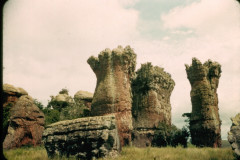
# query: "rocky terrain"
(152, 89)
(26, 121)
(205, 123)
(114, 70)
(234, 135)
(85, 138)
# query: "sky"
(46, 44)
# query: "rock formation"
(84, 138)
(61, 100)
(84, 97)
(114, 71)
(11, 94)
(26, 124)
(152, 89)
(204, 120)
(234, 135)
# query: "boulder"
(234, 135)
(205, 123)
(114, 71)
(11, 94)
(84, 97)
(26, 124)
(83, 138)
(151, 89)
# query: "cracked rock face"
(234, 135)
(84, 138)
(114, 70)
(205, 123)
(26, 124)
(152, 89)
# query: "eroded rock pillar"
(205, 122)
(114, 71)
(152, 89)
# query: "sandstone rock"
(84, 97)
(63, 98)
(84, 138)
(11, 94)
(152, 89)
(26, 124)
(234, 135)
(61, 101)
(114, 71)
(205, 124)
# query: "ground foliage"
(133, 153)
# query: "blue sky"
(46, 44)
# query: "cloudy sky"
(46, 44)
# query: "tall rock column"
(152, 89)
(205, 124)
(114, 71)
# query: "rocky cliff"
(84, 138)
(204, 120)
(234, 135)
(152, 89)
(114, 71)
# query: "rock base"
(84, 138)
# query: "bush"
(170, 135)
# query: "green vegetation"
(62, 110)
(170, 136)
(133, 153)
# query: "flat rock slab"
(84, 138)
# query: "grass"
(133, 153)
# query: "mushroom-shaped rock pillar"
(114, 71)
(205, 123)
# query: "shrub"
(170, 135)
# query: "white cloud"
(47, 43)
(204, 16)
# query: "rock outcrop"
(84, 97)
(152, 89)
(84, 138)
(11, 94)
(234, 135)
(205, 123)
(114, 71)
(26, 124)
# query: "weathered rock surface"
(84, 138)
(152, 89)
(234, 135)
(114, 71)
(84, 97)
(26, 124)
(205, 123)
(11, 94)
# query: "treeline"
(63, 110)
